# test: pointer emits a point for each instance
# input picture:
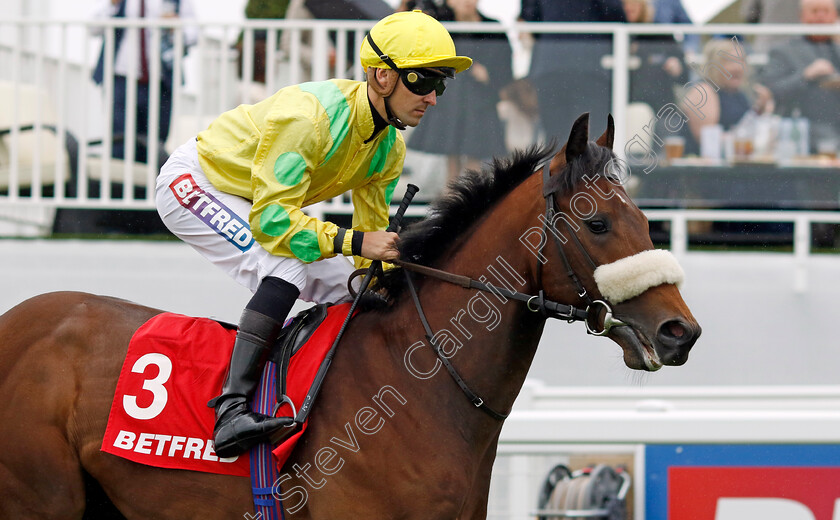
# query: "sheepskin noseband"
(633, 275)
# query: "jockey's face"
(410, 107)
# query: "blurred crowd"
(717, 85)
(778, 91)
(769, 87)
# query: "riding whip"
(394, 227)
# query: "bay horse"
(392, 435)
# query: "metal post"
(247, 65)
(108, 134)
(801, 248)
(679, 234)
(153, 138)
(320, 51)
(620, 86)
(61, 126)
(271, 61)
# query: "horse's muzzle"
(674, 339)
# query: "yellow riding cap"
(412, 39)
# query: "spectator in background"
(727, 105)
(341, 10)
(769, 11)
(466, 126)
(297, 11)
(661, 66)
(260, 10)
(435, 8)
(566, 69)
(133, 51)
(520, 112)
(672, 11)
(803, 73)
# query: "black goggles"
(418, 81)
(423, 81)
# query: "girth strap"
(477, 401)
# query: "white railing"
(38, 78)
(551, 425)
(45, 67)
(802, 224)
(575, 415)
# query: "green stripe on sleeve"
(336, 107)
(382, 151)
(389, 190)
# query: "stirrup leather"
(290, 341)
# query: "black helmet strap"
(392, 119)
(382, 56)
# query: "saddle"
(293, 336)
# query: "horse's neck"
(494, 340)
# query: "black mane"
(470, 195)
(466, 199)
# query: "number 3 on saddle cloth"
(176, 363)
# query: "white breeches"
(216, 225)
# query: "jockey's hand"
(380, 245)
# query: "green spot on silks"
(289, 168)
(304, 245)
(274, 220)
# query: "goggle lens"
(421, 83)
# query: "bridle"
(593, 306)
(534, 303)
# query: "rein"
(548, 308)
(477, 401)
(534, 303)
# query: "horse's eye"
(597, 226)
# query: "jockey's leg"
(238, 428)
(276, 282)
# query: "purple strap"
(263, 467)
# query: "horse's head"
(595, 233)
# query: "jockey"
(235, 193)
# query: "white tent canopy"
(701, 11)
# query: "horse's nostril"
(676, 334)
(676, 329)
(675, 339)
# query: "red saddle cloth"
(175, 364)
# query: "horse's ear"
(608, 138)
(578, 138)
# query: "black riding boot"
(237, 428)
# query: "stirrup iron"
(285, 399)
